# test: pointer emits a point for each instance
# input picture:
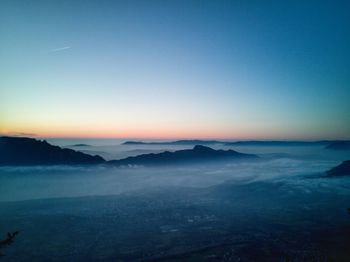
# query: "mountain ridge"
(339, 145)
(30, 151)
(240, 143)
(198, 153)
(340, 170)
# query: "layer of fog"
(119, 151)
(296, 165)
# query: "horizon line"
(178, 138)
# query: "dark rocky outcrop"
(341, 170)
(197, 154)
(29, 151)
(10, 237)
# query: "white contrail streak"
(60, 49)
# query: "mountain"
(236, 143)
(277, 143)
(341, 170)
(197, 154)
(178, 142)
(29, 151)
(78, 145)
(339, 145)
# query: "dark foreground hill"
(341, 170)
(29, 151)
(197, 154)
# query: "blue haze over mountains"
(275, 206)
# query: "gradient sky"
(175, 69)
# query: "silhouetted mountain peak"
(197, 154)
(30, 151)
(203, 149)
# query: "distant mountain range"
(341, 170)
(29, 151)
(178, 142)
(199, 153)
(78, 145)
(278, 143)
(338, 144)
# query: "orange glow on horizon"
(152, 134)
(128, 133)
(166, 131)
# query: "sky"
(175, 69)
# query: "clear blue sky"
(176, 69)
